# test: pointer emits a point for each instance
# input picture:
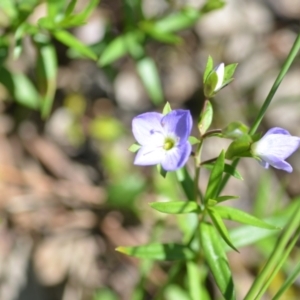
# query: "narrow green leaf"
(194, 280)
(209, 67)
(225, 198)
(206, 117)
(240, 216)
(176, 207)
(186, 182)
(147, 70)
(159, 252)
(70, 7)
(21, 88)
(211, 5)
(220, 226)
(215, 178)
(178, 20)
(46, 74)
(175, 292)
(227, 169)
(216, 259)
(167, 109)
(134, 148)
(69, 40)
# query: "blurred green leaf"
(105, 294)
(240, 216)
(220, 226)
(151, 29)
(147, 70)
(216, 259)
(4, 45)
(227, 169)
(106, 128)
(176, 207)
(215, 178)
(55, 9)
(119, 47)
(225, 198)
(159, 252)
(69, 40)
(21, 88)
(9, 8)
(46, 73)
(175, 292)
(70, 7)
(206, 117)
(183, 19)
(211, 5)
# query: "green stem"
(276, 255)
(288, 62)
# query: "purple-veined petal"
(149, 155)
(220, 71)
(147, 128)
(178, 123)
(277, 130)
(276, 145)
(176, 157)
(279, 164)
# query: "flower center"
(169, 143)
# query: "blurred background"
(73, 74)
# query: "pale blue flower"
(274, 147)
(163, 138)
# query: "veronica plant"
(163, 139)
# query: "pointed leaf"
(159, 252)
(209, 67)
(215, 178)
(220, 226)
(227, 169)
(134, 148)
(148, 72)
(206, 117)
(193, 140)
(69, 40)
(217, 260)
(225, 198)
(167, 108)
(210, 84)
(240, 216)
(176, 207)
(229, 71)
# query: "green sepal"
(158, 251)
(220, 226)
(240, 147)
(208, 69)
(193, 140)
(176, 207)
(134, 148)
(235, 130)
(167, 109)
(216, 259)
(240, 216)
(215, 178)
(210, 84)
(228, 73)
(161, 171)
(206, 117)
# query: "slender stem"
(276, 255)
(198, 196)
(288, 62)
(211, 132)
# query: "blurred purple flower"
(163, 138)
(274, 147)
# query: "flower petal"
(176, 157)
(276, 145)
(279, 164)
(149, 155)
(220, 71)
(178, 123)
(277, 130)
(147, 128)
